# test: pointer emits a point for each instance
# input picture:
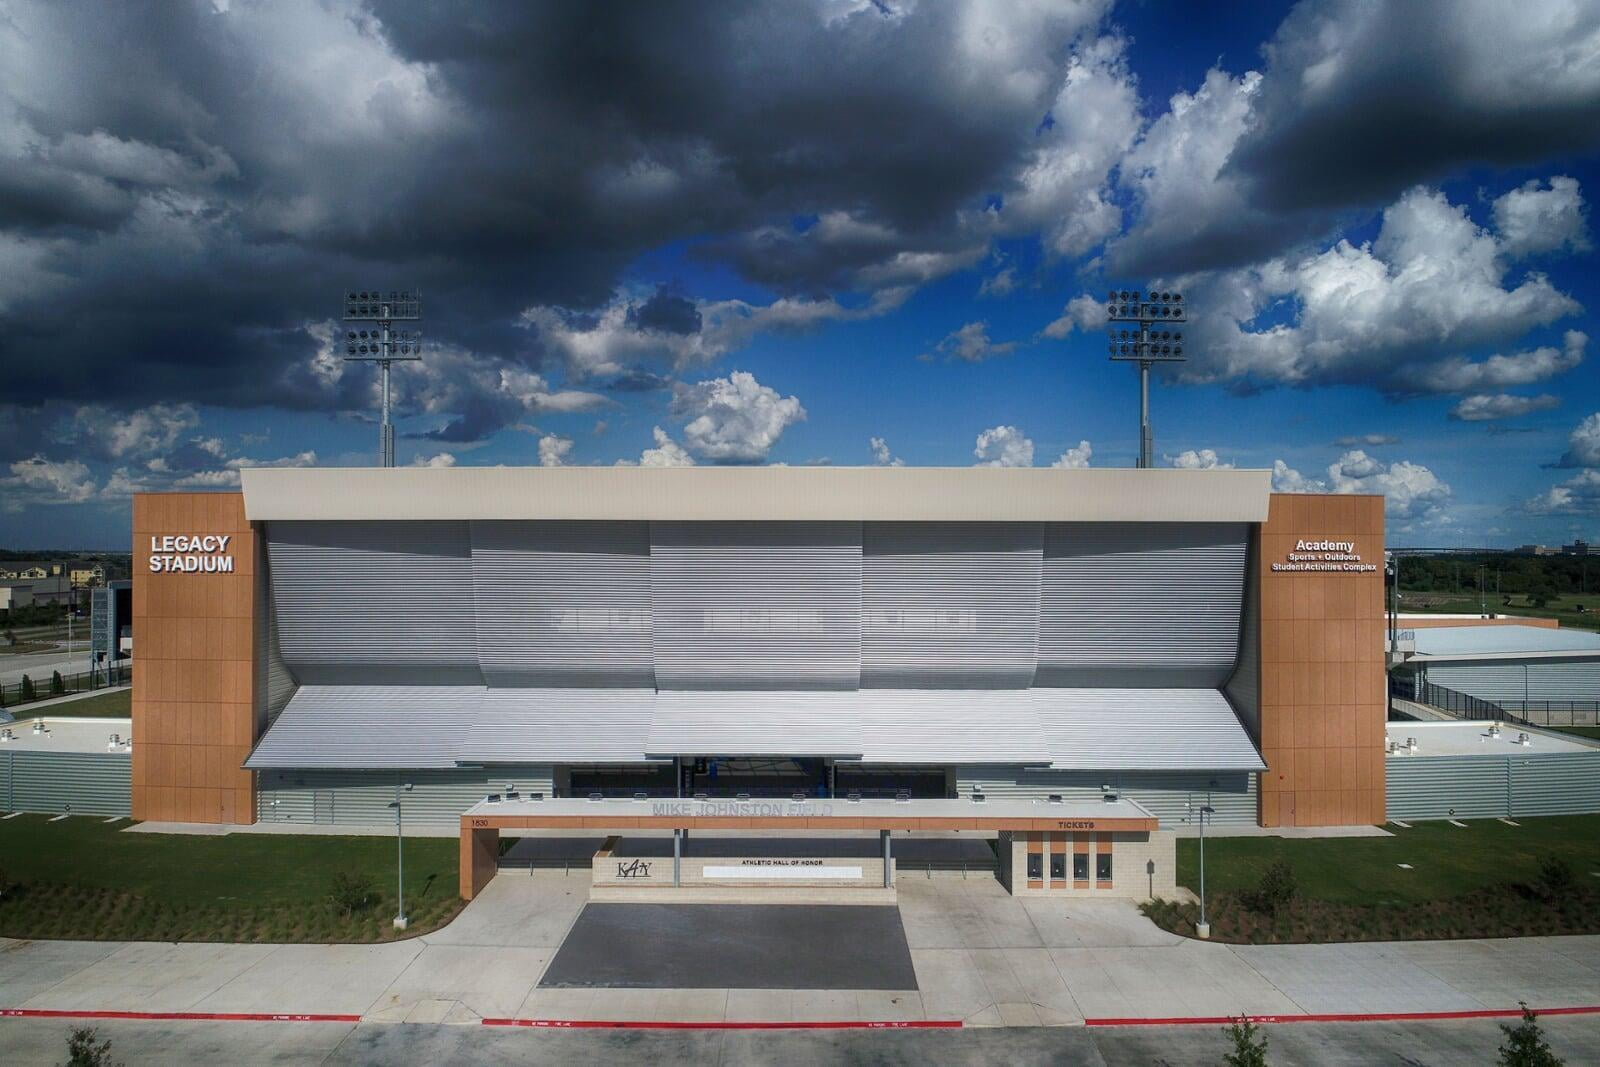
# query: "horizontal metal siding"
(1536, 680)
(1175, 799)
(1144, 729)
(756, 605)
(85, 783)
(1561, 783)
(370, 726)
(361, 798)
(950, 605)
(911, 726)
(567, 725)
(563, 603)
(756, 723)
(1141, 604)
(378, 603)
(1441, 787)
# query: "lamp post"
(381, 345)
(1144, 345)
(400, 920)
(1202, 929)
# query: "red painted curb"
(181, 1016)
(644, 1024)
(1339, 1017)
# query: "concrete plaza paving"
(978, 954)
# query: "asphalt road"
(1437, 1044)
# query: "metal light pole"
(1146, 345)
(400, 919)
(381, 345)
(1202, 928)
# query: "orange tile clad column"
(194, 658)
(1323, 688)
(480, 852)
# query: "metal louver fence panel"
(82, 783)
(377, 603)
(1141, 604)
(1558, 783)
(1175, 799)
(563, 603)
(756, 605)
(950, 605)
(1443, 787)
(361, 798)
(1520, 682)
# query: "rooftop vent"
(742, 796)
(596, 796)
(492, 798)
(1054, 798)
(903, 796)
(798, 798)
(641, 796)
(853, 798)
(535, 796)
(1110, 798)
(978, 798)
(702, 796)
(1524, 739)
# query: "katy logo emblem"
(635, 869)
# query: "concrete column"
(677, 855)
(888, 880)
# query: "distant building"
(87, 574)
(1535, 550)
(1577, 548)
(19, 593)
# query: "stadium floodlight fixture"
(380, 343)
(1153, 335)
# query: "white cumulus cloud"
(1075, 458)
(1003, 446)
(734, 419)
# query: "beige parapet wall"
(742, 872)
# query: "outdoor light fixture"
(381, 344)
(1154, 339)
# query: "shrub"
(1525, 1045)
(1276, 890)
(1249, 1044)
(1555, 879)
(58, 685)
(351, 891)
(28, 692)
(84, 1049)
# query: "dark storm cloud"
(1362, 100)
(666, 312)
(198, 187)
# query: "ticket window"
(1102, 867)
(1058, 867)
(1080, 867)
(1035, 866)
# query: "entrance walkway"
(978, 954)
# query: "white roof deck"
(1474, 739)
(67, 735)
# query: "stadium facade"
(1170, 639)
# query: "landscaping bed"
(1431, 880)
(85, 879)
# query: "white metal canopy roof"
(806, 494)
(1144, 730)
(445, 726)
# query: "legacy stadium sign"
(1324, 557)
(191, 554)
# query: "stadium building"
(1075, 661)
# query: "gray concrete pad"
(486, 982)
(1369, 977)
(29, 968)
(328, 979)
(152, 976)
(519, 909)
(743, 946)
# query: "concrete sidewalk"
(979, 955)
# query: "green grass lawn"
(84, 878)
(1480, 880)
(115, 705)
(1581, 731)
(1562, 608)
(1446, 860)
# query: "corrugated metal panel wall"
(1244, 688)
(1479, 787)
(756, 605)
(1535, 680)
(1172, 798)
(375, 603)
(89, 783)
(950, 605)
(1141, 604)
(276, 684)
(563, 604)
(360, 798)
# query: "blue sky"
(777, 237)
